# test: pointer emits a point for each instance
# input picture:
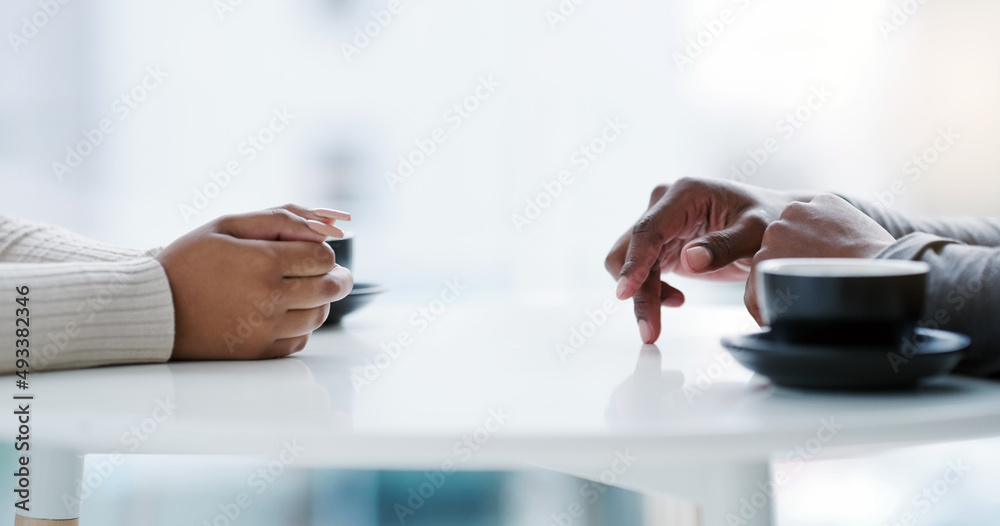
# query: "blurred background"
(442, 126)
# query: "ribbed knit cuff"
(88, 314)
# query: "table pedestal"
(737, 493)
(56, 475)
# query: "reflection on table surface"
(555, 373)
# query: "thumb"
(718, 249)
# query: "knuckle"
(330, 286)
(282, 214)
(300, 343)
(758, 220)
(645, 226)
(286, 347)
(628, 268)
(772, 230)
(692, 184)
(686, 182)
(793, 210)
(774, 233)
(226, 221)
(724, 243)
(642, 301)
(348, 281)
(324, 256)
(321, 315)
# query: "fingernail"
(325, 229)
(332, 214)
(699, 258)
(644, 331)
(622, 286)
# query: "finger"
(647, 305)
(323, 215)
(301, 259)
(669, 296)
(616, 258)
(750, 295)
(332, 214)
(321, 220)
(300, 322)
(284, 347)
(276, 224)
(660, 224)
(325, 229)
(310, 292)
(657, 194)
(718, 249)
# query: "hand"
(826, 227)
(695, 227)
(253, 285)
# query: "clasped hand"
(720, 230)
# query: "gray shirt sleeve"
(963, 292)
(978, 231)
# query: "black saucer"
(361, 295)
(852, 367)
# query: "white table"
(681, 419)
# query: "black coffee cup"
(841, 301)
(343, 249)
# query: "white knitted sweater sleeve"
(87, 303)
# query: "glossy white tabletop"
(480, 363)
